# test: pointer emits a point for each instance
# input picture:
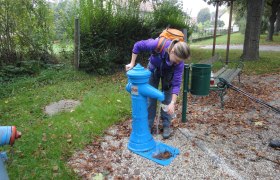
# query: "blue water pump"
(141, 141)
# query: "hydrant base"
(148, 145)
(159, 148)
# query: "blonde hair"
(181, 49)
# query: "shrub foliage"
(110, 28)
(25, 35)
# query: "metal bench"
(226, 72)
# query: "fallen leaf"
(252, 148)
(69, 136)
(163, 155)
(98, 176)
(241, 155)
(259, 123)
(44, 138)
(261, 154)
(55, 169)
(187, 154)
(53, 136)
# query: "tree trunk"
(272, 19)
(277, 26)
(253, 29)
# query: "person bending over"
(167, 66)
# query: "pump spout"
(151, 92)
(128, 87)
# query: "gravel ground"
(214, 144)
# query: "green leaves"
(25, 32)
(109, 32)
(170, 13)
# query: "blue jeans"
(152, 103)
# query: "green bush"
(100, 60)
(103, 49)
(242, 25)
(26, 32)
(30, 67)
(107, 36)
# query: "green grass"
(238, 38)
(269, 62)
(43, 144)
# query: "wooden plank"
(234, 74)
(219, 72)
(223, 73)
(227, 74)
(185, 32)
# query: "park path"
(239, 46)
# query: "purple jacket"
(149, 46)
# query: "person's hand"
(129, 66)
(171, 108)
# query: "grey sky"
(192, 7)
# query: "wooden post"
(77, 43)
(185, 31)
(229, 31)
(215, 28)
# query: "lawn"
(48, 142)
(238, 38)
(269, 62)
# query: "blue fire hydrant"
(8, 135)
(141, 141)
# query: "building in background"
(146, 7)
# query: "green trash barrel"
(200, 79)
